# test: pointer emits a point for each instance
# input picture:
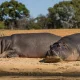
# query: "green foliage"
(31, 24)
(42, 21)
(76, 5)
(34, 26)
(67, 12)
(12, 10)
(2, 26)
(39, 22)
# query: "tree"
(61, 14)
(12, 11)
(32, 24)
(76, 5)
(66, 14)
(21, 23)
(42, 21)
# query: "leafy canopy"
(12, 10)
(65, 12)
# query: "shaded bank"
(42, 74)
(38, 78)
(32, 67)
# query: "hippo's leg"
(12, 55)
(9, 54)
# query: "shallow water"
(38, 78)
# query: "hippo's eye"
(64, 45)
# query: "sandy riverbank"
(32, 66)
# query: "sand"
(33, 66)
(59, 32)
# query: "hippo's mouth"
(52, 59)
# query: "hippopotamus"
(67, 48)
(29, 45)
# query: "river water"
(37, 78)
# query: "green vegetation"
(2, 26)
(12, 11)
(65, 14)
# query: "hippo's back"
(33, 44)
(74, 39)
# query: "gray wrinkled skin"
(32, 45)
(67, 48)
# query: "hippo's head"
(59, 50)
